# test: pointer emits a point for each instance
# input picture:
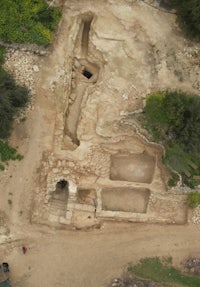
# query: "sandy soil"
(138, 168)
(64, 256)
(92, 258)
(125, 199)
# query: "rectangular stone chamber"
(132, 167)
(125, 199)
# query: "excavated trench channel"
(84, 76)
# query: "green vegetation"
(7, 153)
(28, 21)
(193, 199)
(175, 116)
(173, 119)
(188, 12)
(12, 98)
(21, 21)
(10, 202)
(179, 75)
(2, 167)
(2, 52)
(22, 119)
(162, 271)
(173, 180)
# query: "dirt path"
(77, 259)
(20, 181)
(26, 174)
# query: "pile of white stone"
(195, 218)
(21, 65)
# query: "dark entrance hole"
(62, 184)
(87, 74)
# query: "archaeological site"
(91, 191)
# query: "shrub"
(188, 12)
(193, 199)
(12, 98)
(8, 153)
(10, 202)
(2, 52)
(2, 167)
(173, 118)
(50, 17)
(27, 21)
(173, 180)
(162, 271)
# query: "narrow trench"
(73, 116)
(85, 37)
(89, 73)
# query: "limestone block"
(36, 68)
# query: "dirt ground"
(125, 199)
(92, 258)
(123, 167)
(74, 130)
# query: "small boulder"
(35, 68)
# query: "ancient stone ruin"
(101, 166)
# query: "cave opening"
(87, 73)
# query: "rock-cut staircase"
(58, 204)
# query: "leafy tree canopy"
(189, 12)
(12, 98)
(173, 118)
(28, 21)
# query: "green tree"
(27, 21)
(189, 13)
(12, 98)
(2, 52)
(156, 115)
(190, 133)
(173, 118)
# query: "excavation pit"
(125, 199)
(85, 29)
(87, 74)
(86, 196)
(132, 167)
